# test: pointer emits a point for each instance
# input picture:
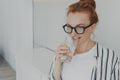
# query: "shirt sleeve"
(116, 69)
(51, 77)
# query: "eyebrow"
(76, 25)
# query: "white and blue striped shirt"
(106, 67)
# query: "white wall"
(49, 16)
(17, 28)
(1, 32)
(107, 32)
(0, 37)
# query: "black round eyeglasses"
(78, 29)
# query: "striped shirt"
(107, 65)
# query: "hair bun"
(88, 3)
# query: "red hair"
(85, 6)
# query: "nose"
(73, 33)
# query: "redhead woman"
(89, 60)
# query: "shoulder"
(106, 51)
(108, 54)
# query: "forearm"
(57, 70)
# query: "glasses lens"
(79, 30)
(68, 29)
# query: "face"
(80, 19)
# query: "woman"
(89, 60)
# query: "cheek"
(86, 34)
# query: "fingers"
(63, 47)
(62, 50)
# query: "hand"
(62, 51)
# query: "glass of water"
(69, 43)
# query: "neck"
(84, 46)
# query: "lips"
(79, 37)
(74, 38)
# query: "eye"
(68, 28)
(79, 29)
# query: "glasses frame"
(84, 28)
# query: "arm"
(55, 73)
(57, 70)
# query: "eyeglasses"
(78, 29)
